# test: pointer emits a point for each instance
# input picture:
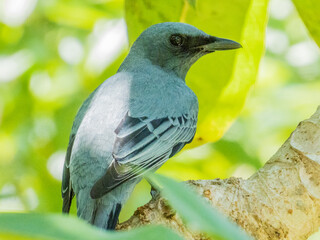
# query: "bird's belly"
(92, 149)
(90, 159)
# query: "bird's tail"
(107, 216)
(103, 212)
(67, 199)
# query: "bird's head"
(176, 46)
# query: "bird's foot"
(154, 192)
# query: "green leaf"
(192, 3)
(142, 14)
(197, 213)
(222, 79)
(309, 12)
(61, 227)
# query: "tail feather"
(67, 202)
(106, 216)
(103, 213)
(114, 216)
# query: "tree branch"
(280, 201)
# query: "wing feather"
(144, 144)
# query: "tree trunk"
(280, 201)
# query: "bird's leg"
(153, 192)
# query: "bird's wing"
(143, 144)
(66, 187)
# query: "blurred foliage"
(53, 53)
(191, 207)
(22, 226)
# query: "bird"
(134, 121)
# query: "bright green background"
(42, 85)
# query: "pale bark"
(280, 201)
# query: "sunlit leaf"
(223, 79)
(142, 14)
(309, 12)
(192, 3)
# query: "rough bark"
(280, 201)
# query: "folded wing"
(144, 144)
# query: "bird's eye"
(176, 40)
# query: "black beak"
(218, 44)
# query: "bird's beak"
(217, 44)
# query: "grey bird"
(134, 121)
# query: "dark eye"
(176, 40)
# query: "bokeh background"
(50, 60)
